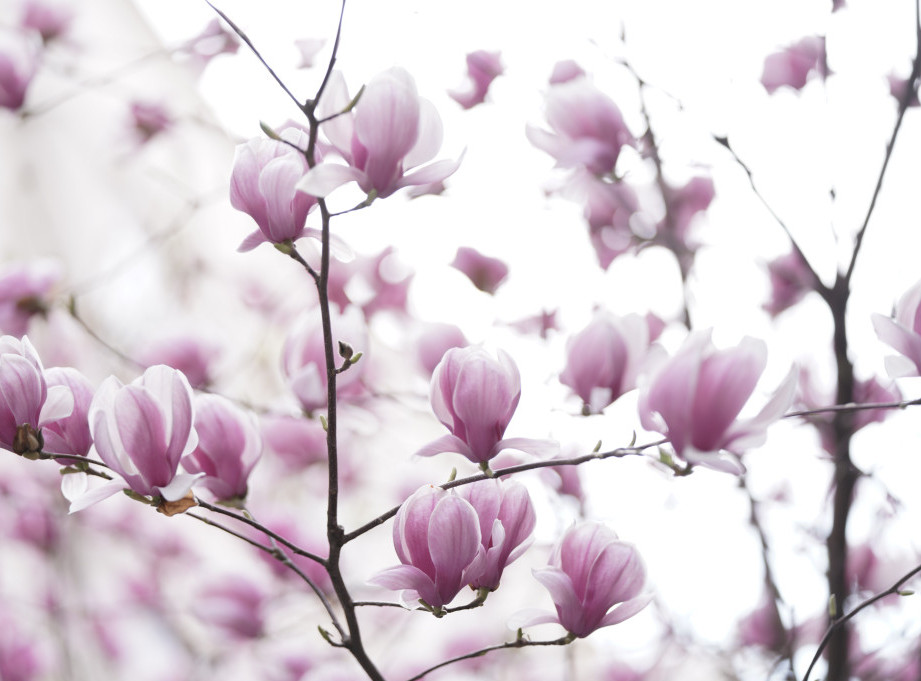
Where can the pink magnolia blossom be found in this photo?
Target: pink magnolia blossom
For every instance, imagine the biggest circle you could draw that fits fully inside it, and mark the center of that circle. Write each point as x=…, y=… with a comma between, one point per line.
x=903, y=334
x=482, y=69
x=762, y=627
x=50, y=18
x=435, y=340
x=304, y=358
x=229, y=446
x=696, y=396
x=682, y=206
x=436, y=535
x=234, y=605
x=385, y=140
x=506, y=522
x=475, y=397
x=149, y=119
x=486, y=273
x=296, y=441
x=20, y=54
x=594, y=579
x=24, y=291
x=565, y=70
x=27, y=404
x=588, y=129
x=213, y=40
x=791, y=280
x=194, y=357
x=374, y=283
x=610, y=211
x=263, y=185
x=792, y=65
x=143, y=429
x=605, y=358
x=71, y=434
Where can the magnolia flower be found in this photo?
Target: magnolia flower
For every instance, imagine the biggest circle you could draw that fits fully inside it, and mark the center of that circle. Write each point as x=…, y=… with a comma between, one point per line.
x=49, y=18
x=605, y=359
x=482, y=69
x=696, y=396
x=229, y=446
x=390, y=132
x=194, y=357
x=304, y=357
x=149, y=119
x=506, y=522
x=24, y=293
x=903, y=334
x=234, y=605
x=71, y=434
x=594, y=579
x=26, y=402
x=682, y=205
x=791, y=280
x=263, y=185
x=143, y=429
x=436, y=535
x=486, y=273
x=588, y=129
x=475, y=397
x=20, y=54
x=792, y=65
x=434, y=341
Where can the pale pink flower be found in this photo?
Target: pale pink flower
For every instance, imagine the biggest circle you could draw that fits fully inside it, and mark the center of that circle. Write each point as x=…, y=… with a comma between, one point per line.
x=435, y=340
x=903, y=334
x=263, y=185
x=792, y=65
x=604, y=360
x=475, y=397
x=50, y=18
x=436, y=535
x=71, y=434
x=482, y=69
x=20, y=54
x=149, y=119
x=374, y=283
x=565, y=70
x=791, y=280
x=229, y=446
x=507, y=520
x=234, y=605
x=296, y=441
x=682, y=206
x=695, y=398
x=27, y=404
x=610, y=211
x=594, y=579
x=762, y=627
x=194, y=357
x=304, y=358
x=24, y=291
x=486, y=273
x=213, y=40
x=143, y=429
x=385, y=140
x=587, y=128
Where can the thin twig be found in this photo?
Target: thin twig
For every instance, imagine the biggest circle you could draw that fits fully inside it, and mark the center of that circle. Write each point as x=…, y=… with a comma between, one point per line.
x=892, y=590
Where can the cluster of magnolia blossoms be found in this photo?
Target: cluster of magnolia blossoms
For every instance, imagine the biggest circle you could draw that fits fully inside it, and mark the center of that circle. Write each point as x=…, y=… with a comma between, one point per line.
x=155, y=437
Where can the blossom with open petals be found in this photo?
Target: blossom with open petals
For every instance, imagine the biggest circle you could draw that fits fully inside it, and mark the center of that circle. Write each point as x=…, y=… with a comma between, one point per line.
x=143, y=429
x=26, y=401
x=482, y=69
x=263, y=185
x=475, y=397
x=594, y=579
x=695, y=398
x=792, y=65
x=903, y=334
x=587, y=127
x=385, y=140
x=436, y=535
